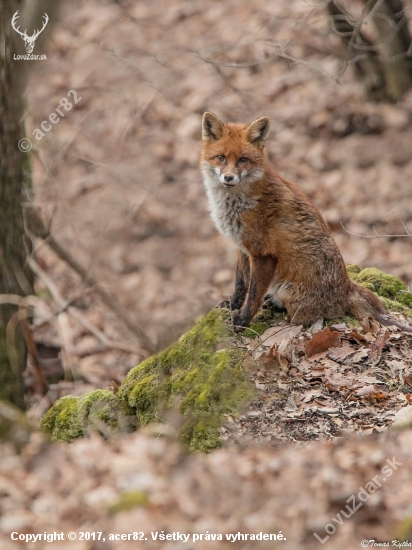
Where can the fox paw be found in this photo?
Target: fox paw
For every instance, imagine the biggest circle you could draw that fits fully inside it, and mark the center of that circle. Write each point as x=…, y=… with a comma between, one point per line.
x=240, y=322
x=225, y=304
x=273, y=305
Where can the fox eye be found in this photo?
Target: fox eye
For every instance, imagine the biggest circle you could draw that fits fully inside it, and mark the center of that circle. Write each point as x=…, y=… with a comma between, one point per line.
x=242, y=160
x=220, y=158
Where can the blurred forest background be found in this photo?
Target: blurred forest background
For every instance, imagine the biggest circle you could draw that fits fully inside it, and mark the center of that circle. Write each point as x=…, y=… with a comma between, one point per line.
x=117, y=179
x=125, y=256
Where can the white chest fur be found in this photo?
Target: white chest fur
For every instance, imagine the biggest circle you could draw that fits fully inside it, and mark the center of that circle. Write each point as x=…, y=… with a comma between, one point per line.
x=226, y=204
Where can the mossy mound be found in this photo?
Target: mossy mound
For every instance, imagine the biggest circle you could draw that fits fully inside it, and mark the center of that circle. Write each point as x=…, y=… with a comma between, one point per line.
x=202, y=374
x=71, y=417
x=392, y=291
x=204, y=380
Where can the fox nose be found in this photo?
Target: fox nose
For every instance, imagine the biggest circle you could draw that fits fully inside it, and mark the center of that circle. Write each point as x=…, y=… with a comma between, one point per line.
x=228, y=178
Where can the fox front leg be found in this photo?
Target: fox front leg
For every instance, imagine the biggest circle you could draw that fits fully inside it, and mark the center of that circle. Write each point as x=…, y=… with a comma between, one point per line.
x=262, y=270
x=241, y=283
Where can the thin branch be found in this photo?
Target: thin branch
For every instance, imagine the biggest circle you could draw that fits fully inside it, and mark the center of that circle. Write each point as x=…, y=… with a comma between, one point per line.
x=32, y=351
x=65, y=306
x=377, y=235
x=36, y=226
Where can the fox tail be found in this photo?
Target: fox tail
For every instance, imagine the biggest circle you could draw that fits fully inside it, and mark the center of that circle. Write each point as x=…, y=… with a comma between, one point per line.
x=364, y=303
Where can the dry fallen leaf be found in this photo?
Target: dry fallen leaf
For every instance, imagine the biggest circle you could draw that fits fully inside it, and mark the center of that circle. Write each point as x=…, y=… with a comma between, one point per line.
x=329, y=364
x=276, y=335
x=339, y=354
x=341, y=327
x=311, y=394
x=357, y=336
x=322, y=341
x=318, y=357
x=377, y=346
x=362, y=353
x=364, y=390
x=265, y=357
x=378, y=395
x=369, y=325
x=335, y=380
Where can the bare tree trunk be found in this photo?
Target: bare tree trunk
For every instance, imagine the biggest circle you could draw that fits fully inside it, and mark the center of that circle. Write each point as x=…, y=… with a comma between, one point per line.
x=395, y=45
x=15, y=275
x=385, y=68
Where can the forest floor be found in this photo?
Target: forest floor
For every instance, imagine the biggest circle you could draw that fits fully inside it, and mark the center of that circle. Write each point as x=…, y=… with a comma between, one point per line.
x=117, y=181
x=321, y=383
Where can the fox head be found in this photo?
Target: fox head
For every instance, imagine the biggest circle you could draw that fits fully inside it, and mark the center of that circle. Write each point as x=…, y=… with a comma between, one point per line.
x=233, y=153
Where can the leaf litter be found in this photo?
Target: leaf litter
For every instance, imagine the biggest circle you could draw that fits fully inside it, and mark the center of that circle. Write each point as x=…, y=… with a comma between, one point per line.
x=320, y=383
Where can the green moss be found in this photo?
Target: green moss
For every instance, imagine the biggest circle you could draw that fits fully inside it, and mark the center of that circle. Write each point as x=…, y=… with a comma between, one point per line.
x=348, y=319
x=205, y=380
x=130, y=500
x=100, y=411
x=386, y=286
x=62, y=422
x=71, y=417
x=201, y=435
x=202, y=372
x=403, y=531
x=392, y=305
x=261, y=322
x=391, y=290
x=353, y=270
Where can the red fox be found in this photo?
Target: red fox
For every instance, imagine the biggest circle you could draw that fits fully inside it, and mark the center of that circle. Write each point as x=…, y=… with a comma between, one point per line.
x=284, y=245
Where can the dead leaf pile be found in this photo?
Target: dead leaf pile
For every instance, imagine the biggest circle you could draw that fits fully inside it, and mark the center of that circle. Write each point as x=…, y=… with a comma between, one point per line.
x=322, y=383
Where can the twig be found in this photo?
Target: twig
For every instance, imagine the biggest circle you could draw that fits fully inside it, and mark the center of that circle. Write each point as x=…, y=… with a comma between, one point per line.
x=36, y=226
x=64, y=306
x=24, y=303
x=32, y=351
x=376, y=235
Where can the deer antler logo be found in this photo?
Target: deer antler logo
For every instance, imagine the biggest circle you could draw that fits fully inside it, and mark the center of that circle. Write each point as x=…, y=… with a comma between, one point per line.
x=29, y=40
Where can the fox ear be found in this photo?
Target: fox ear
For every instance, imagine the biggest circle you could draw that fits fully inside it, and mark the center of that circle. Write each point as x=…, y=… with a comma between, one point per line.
x=258, y=131
x=212, y=128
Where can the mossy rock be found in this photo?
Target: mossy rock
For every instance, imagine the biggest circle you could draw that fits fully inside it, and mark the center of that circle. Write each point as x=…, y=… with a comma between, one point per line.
x=392, y=291
x=99, y=411
x=202, y=373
